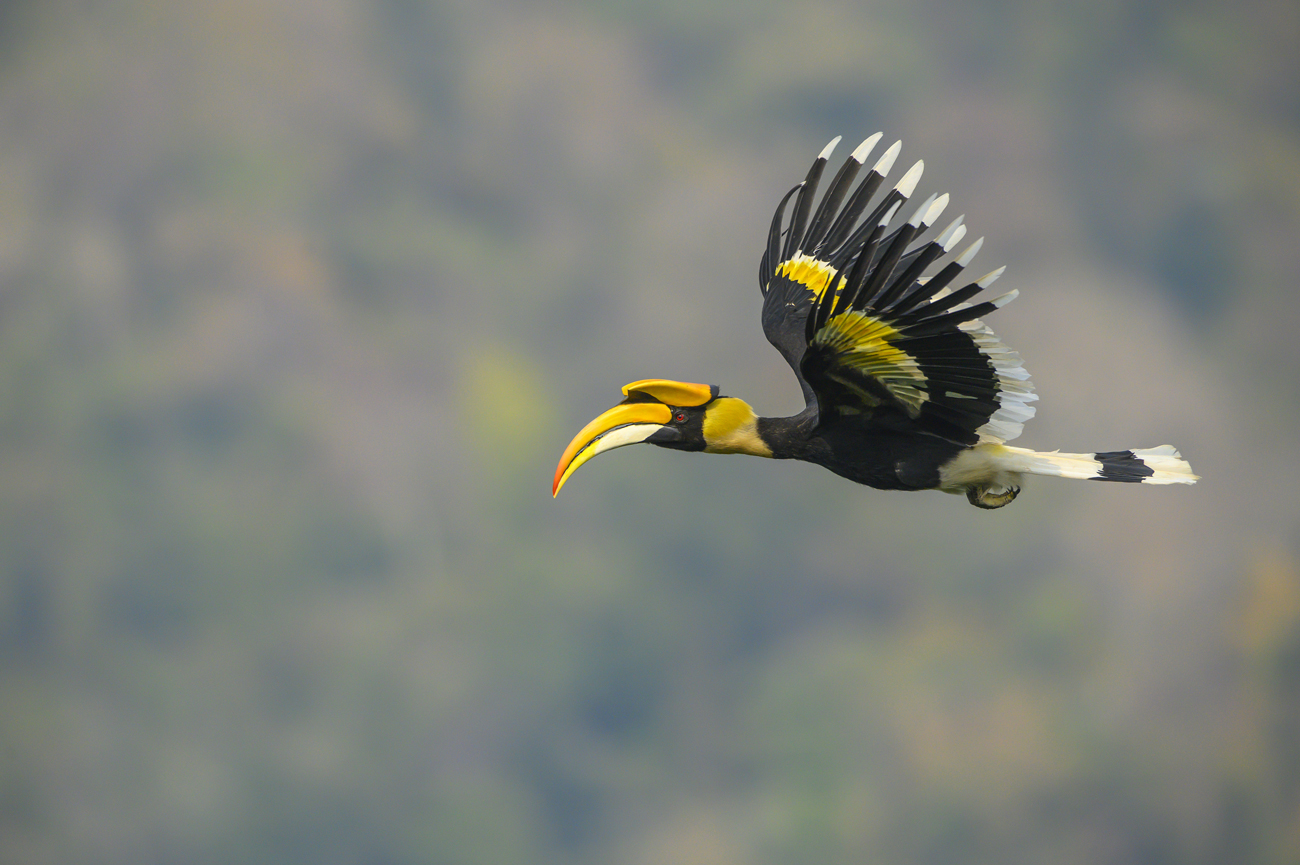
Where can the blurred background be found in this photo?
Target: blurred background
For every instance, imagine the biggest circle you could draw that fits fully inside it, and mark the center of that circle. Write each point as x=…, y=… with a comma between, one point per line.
x=300, y=300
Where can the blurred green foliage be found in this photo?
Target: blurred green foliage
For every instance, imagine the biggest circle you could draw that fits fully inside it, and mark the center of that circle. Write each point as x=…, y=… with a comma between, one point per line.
x=299, y=303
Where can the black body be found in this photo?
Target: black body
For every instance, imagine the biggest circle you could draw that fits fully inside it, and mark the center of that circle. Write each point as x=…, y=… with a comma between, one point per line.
x=860, y=451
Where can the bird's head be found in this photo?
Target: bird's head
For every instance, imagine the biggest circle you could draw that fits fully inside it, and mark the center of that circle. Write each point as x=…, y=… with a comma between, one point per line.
x=671, y=414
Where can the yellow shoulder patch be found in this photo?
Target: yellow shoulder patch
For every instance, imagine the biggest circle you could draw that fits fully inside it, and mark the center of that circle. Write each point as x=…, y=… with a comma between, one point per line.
x=813, y=274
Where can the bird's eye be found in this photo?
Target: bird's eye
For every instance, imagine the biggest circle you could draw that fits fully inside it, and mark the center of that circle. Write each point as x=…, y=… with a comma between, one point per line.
x=680, y=417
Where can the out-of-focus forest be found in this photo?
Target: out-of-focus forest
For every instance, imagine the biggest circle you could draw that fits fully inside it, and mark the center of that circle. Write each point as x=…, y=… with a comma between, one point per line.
x=300, y=300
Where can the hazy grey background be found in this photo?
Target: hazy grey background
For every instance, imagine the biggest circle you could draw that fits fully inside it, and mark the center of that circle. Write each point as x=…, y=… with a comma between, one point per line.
x=300, y=300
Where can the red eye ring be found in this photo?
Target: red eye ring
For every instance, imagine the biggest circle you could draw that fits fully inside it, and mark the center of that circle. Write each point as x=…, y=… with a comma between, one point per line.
x=680, y=417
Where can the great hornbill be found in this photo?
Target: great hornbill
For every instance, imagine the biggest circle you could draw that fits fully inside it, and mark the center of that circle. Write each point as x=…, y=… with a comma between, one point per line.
x=905, y=388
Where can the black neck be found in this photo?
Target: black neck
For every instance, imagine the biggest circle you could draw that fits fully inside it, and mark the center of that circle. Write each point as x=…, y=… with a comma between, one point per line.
x=788, y=437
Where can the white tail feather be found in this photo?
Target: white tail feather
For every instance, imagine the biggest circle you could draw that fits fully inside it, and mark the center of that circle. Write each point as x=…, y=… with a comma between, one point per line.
x=1168, y=465
x=1000, y=466
x=1054, y=463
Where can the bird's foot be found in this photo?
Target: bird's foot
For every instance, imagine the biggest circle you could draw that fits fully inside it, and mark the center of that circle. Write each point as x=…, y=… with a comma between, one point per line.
x=990, y=498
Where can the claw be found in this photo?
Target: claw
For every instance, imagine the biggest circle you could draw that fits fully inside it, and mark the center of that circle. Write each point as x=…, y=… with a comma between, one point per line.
x=984, y=497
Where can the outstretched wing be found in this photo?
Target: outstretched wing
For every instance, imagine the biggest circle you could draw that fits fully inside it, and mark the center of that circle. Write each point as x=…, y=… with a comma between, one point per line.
x=800, y=262
x=900, y=349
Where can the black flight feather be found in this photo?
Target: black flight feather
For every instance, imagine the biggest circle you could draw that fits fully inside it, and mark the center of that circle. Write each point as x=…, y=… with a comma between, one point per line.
x=830, y=204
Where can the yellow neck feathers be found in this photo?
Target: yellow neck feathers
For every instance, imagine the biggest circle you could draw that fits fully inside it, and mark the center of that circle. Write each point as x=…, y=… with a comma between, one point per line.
x=731, y=427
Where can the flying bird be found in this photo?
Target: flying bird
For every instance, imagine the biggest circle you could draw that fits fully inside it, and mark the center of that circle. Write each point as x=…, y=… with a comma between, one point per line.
x=905, y=388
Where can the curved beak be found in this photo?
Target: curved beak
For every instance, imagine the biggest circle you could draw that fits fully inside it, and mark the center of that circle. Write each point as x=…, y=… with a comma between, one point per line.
x=625, y=424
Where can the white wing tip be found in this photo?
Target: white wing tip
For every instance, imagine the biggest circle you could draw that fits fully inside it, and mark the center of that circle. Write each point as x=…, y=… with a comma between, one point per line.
x=887, y=158
x=1003, y=300
x=945, y=239
x=909, y=180
x=864, y=149
x=935, y=210
x=956, y=238
x=990, y=278
x=829, y=148
x=919, y=216
x=888, y=217
x=965, y=258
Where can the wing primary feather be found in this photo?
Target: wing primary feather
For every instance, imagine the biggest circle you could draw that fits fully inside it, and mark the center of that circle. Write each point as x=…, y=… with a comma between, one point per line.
x=969, y=253
x=952, y=319
x=955, y=231
x=907, y=183
x=897, y=194
x=803, y=203
x=948, y=301
x=1003, y=299
x=955, y=239
x=948, y=239
x=886, y=160
x=888, y=205
x=848, y=218
x=935, y=210
x=918, y=217
x=928, y=289
x=861, y=272
x=863, y=150
x=921, y=219
x=929, y=312
x=881, y=272
x=940, y=280
x=943, y=304
x=894, y=298
x=892, y=200
x=830, y=203
x=844, y=225
x=767, y=267
x=989, y=278
x=791, y=240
